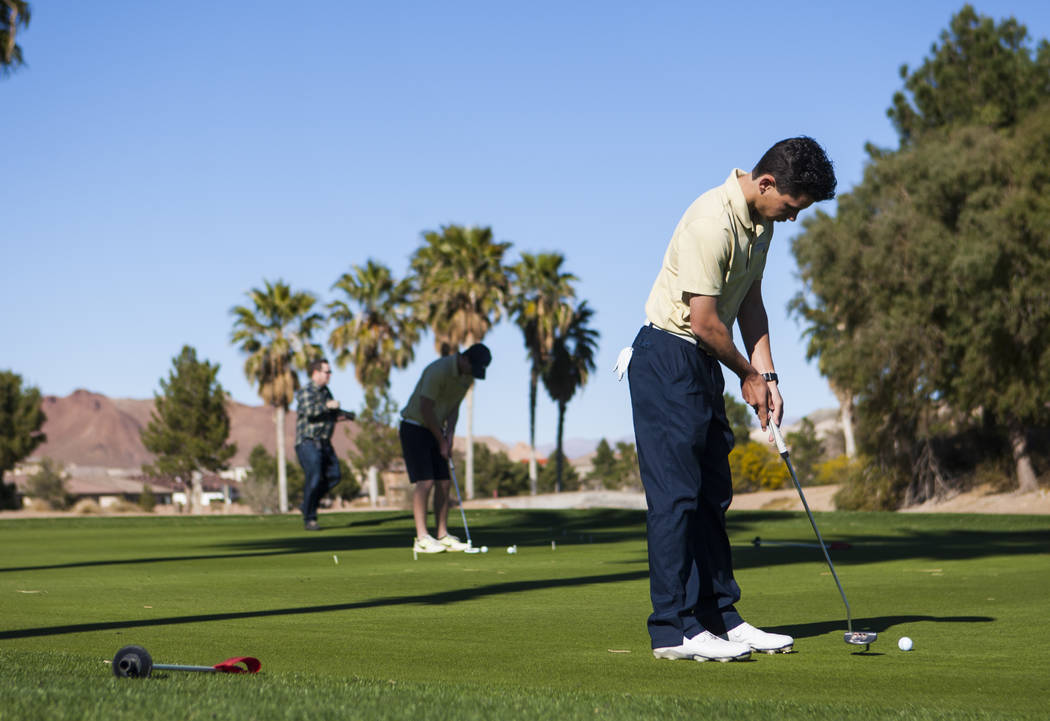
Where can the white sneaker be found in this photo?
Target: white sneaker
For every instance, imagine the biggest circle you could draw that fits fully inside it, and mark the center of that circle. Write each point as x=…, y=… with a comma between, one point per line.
x=759, y=640
x=427, y=544
x=705, y=646
x=451, y=543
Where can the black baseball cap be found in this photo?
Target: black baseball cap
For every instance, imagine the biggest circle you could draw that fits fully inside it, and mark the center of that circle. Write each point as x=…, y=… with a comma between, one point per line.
x=479, y=356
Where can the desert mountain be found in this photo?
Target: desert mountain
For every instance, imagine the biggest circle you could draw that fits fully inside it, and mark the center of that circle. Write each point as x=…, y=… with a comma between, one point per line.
x=90, y=429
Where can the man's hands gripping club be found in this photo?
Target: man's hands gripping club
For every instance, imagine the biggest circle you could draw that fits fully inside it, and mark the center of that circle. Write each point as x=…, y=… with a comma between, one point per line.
x=764, y=397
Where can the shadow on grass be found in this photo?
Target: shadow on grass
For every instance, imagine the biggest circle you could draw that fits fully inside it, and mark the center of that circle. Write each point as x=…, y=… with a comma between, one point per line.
x=429, y=599
x=368, y=522
x=615, y=526
x=495, y=528
x=932, y=546
x=879, y=624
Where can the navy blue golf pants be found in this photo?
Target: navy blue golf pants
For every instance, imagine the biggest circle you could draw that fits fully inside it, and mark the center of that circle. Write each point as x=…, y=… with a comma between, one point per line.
x=683, y=441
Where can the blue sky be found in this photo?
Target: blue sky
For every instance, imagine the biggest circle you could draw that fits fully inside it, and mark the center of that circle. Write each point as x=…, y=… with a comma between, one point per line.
x=160, y=163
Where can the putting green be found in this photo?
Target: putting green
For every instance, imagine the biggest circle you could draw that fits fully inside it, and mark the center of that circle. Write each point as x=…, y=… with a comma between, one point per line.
x=345, y=618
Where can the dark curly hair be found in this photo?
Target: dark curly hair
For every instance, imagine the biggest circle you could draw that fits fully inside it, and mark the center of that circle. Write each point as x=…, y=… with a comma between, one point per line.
x=799, y=166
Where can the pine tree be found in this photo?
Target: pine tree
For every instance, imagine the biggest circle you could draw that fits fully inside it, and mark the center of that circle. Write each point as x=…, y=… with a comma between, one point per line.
x=21, y=419
x=189, y=426
x=627, y=466
x=604, y=467
x=558, y=475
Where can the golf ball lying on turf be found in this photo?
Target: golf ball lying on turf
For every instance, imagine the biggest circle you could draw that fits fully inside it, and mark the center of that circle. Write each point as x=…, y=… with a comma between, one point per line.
x=904, y=644
x=512, y=549
x=484, y=549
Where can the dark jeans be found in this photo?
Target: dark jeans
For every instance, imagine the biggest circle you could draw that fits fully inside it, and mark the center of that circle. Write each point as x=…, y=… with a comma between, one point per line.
x=683, y=441
x=321, y=468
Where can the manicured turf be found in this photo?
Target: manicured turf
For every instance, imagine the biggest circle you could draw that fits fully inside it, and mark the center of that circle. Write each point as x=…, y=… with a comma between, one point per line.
x=545, y=633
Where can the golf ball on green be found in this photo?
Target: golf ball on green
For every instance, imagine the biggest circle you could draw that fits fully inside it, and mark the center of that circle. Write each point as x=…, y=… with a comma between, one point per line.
x=904, y=644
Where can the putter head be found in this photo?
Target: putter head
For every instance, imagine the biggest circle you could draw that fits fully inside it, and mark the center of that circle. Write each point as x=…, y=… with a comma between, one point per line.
x=860, y=638
x=471, y=549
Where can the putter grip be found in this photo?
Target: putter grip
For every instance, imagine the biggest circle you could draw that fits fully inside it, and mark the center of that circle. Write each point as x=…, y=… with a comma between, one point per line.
x=781, y=446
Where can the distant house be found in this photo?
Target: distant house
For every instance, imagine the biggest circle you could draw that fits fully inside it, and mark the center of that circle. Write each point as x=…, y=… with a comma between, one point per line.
x=104, y=486
x=108, y=491
x=214, y=489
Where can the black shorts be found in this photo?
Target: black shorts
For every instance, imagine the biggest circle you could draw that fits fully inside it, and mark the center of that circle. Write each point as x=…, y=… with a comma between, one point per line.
x=423, y=459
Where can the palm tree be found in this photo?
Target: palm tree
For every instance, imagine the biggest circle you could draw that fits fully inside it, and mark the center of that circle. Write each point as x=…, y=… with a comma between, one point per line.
x=461, y=285
x=277, y=335
x=381, y=336
x=539, y=288
x=12, y=14
x=572, y=360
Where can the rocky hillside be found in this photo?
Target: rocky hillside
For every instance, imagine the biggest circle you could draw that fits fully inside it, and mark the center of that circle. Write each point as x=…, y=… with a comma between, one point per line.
x=90, y=429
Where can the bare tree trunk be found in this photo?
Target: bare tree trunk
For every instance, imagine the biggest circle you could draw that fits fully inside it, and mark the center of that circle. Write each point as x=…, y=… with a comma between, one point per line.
x=561, y=453
x=928, y=478
x=533, y=472
x=470, y=443
x=196, y=499
x=1026, y=480
x=282, y=472
x=845, y=399
x=373, y=485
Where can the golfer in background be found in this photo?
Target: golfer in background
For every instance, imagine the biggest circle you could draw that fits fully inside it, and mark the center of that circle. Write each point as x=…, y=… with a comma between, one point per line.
x=711, y=277
x=428, y=425
x=316, y=415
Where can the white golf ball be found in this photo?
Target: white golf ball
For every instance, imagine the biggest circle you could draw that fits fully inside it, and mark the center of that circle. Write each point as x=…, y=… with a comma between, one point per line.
x=904, y=644
x=484, y=549
x=512, y=549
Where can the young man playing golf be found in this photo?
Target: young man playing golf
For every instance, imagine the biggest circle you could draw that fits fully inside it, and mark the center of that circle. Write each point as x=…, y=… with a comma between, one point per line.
x=711, y=277
x=428, y=425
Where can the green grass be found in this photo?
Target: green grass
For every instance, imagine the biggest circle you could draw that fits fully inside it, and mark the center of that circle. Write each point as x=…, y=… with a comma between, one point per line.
x=545, y=633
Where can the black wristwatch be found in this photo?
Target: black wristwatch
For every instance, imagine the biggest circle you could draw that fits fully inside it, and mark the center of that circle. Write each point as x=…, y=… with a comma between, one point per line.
x=771, y=378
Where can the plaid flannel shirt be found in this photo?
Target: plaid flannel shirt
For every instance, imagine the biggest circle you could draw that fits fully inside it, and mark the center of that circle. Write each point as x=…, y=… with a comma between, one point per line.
x=313, y=420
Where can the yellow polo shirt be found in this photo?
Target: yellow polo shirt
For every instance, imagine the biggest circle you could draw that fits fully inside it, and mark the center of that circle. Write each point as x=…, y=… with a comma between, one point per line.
x=716, y=249
x=442, y=383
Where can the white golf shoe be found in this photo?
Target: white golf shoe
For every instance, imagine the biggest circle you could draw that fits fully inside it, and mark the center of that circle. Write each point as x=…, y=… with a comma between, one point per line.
x=451, y=543
x=759, y=640
x=705, y=646
x=428, y=544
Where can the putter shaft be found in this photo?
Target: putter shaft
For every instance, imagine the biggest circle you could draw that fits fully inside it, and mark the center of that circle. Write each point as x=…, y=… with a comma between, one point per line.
x=783, y=449
x=459, y=496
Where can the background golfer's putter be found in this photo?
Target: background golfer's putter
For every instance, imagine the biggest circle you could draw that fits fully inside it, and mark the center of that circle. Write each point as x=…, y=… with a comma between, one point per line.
x=463, y=515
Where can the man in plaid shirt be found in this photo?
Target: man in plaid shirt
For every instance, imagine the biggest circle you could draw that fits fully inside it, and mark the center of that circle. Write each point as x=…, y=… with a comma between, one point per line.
x=317, y=413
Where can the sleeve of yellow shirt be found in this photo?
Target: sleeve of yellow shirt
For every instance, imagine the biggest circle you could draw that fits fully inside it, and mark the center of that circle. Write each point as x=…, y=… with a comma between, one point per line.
x=704, y=253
